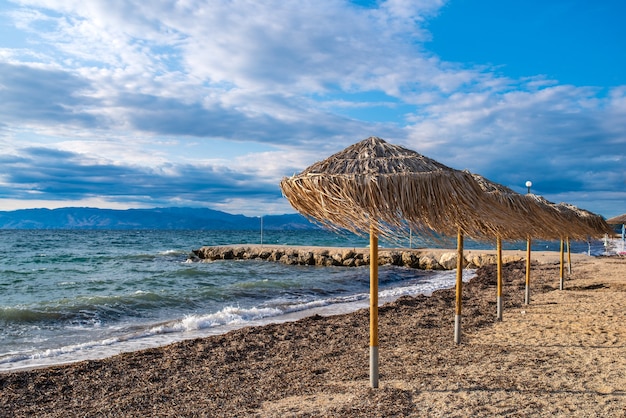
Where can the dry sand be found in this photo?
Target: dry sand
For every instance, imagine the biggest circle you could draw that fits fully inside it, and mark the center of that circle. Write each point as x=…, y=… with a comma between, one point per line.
x=562, y=355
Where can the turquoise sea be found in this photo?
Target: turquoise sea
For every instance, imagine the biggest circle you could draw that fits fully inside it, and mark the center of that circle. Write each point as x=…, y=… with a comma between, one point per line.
x=68, y=295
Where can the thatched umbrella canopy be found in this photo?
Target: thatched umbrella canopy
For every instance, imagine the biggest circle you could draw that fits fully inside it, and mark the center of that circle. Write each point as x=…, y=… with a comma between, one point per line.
x=554, y=224
x=529, y=218
x=392, y=187
x=571, y=222
x=525, y=216
x=558, y=223
x=506, y=197
x=542, y=219
x=590, y=223
x=562, y=224
x=619, y=220
x=380, y=188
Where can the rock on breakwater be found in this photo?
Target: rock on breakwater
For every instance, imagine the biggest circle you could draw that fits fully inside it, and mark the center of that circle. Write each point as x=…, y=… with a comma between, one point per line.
x=426, y=259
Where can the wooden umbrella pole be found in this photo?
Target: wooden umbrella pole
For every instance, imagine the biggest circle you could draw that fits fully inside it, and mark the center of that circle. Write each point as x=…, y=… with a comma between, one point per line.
x=561, y=270
x=527, y=295
x=569, y=258
x=373, y=307
x=459, y=287
x=499, y=286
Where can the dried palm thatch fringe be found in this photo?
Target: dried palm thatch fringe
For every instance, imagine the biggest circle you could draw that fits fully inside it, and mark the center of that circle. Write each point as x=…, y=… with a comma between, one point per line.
x=617, y=220
x=545, y=219
x=588, y=223
x=572, y=222
x=396, y=189
x=557, y=224
x=393, y=188
x=534, y=216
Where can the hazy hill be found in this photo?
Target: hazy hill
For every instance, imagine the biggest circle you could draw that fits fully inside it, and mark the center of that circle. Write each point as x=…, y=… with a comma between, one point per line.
x=158, y=218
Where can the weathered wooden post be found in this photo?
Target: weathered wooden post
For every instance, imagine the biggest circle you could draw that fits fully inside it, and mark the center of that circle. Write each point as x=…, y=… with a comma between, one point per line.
x=561, y=270
x=499, y=284
x=527, y=294
x=459, y=287
x=373, y=307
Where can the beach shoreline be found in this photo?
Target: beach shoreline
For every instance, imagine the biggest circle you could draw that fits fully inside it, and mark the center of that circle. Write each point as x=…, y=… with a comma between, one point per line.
x=560, y=355
x=146, y=338
x=429, y=259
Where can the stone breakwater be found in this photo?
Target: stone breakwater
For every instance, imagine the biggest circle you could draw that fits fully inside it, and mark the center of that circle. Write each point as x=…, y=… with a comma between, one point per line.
x=426, y=259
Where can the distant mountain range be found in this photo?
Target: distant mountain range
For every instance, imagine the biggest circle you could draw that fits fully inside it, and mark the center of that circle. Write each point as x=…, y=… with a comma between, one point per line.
x=158, y=218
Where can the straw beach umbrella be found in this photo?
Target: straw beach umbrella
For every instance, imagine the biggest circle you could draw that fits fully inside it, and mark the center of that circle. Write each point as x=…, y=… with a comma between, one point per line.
x=538, y=218
x=568, y=222
x=590, y=224
x=382, y=189
x=585, y=224
x=534, y=217
x=619, y=220
x=527, y=219
x=395, y=188
x=558, y=225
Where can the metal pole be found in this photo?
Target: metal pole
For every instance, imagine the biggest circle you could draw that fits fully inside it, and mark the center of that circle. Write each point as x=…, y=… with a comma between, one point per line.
x=499, y=285
x=527, y=295
x=373, y=307
x=459, y=288
x=561, y=272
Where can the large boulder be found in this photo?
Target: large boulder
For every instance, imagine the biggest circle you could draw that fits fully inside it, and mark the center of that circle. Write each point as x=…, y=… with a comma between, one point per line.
x=337, y=259
x=429, y=262
x=409, y=259
x=288, y=259
x=480, y=260
x=347, y=254
x=349, y=262
x=512, y=258
x=306, y=258
x=449, y=260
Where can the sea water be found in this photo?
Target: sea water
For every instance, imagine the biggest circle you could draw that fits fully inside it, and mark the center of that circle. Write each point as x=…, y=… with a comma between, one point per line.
x=68, y=295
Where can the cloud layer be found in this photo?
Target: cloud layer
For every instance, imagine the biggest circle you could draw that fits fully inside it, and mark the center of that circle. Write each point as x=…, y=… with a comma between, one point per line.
x=197, y=102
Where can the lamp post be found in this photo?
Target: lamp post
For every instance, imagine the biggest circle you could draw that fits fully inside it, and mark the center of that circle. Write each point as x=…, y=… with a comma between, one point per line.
x=528, y=243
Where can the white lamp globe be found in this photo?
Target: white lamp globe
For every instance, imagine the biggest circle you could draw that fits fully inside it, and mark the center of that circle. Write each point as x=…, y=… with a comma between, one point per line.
x=528, y=184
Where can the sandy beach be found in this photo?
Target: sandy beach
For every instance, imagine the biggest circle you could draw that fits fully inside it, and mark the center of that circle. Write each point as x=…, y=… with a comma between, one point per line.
x=562, y=355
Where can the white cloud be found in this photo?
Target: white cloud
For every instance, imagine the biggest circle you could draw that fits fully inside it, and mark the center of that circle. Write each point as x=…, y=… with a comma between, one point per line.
x=156, y=85
x=91, y=202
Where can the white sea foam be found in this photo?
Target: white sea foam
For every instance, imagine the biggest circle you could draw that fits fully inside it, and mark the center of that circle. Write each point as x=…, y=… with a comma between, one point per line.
x=49, y=356
x=171, y=252
x=614, y=246
x=228, y=318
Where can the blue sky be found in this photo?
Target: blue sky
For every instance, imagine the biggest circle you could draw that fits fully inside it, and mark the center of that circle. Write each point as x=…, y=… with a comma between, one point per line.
x=129, y=104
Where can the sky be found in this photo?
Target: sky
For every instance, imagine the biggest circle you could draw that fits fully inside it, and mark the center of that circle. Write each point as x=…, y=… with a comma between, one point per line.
x=209, y=103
